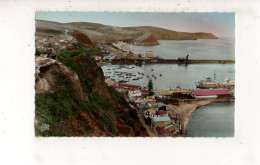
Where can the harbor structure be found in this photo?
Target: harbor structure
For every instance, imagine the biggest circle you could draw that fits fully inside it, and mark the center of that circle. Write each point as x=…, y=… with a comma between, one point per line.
x=210, y=93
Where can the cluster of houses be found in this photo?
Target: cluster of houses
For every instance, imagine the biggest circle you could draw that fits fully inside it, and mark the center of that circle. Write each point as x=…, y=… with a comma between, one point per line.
x=155, y=114
x=120, y=50
x=154, y=110
x=53, y=44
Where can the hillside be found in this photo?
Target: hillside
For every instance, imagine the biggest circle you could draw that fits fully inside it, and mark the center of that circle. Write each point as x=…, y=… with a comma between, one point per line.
x=72, y=99
x=134, y=32
x=165, y=34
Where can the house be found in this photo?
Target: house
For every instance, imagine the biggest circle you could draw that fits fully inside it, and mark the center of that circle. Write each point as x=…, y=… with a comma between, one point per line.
x=144, y=92
x=149, y=54
x=163, y=132
x=129, y=86
x=162, y=113
x=171, y=127
x=210, y=93
x=133, y=95
x=161, y=121
x=151, y=101
x=97, y=58
x=161, y=106
x=149, y=113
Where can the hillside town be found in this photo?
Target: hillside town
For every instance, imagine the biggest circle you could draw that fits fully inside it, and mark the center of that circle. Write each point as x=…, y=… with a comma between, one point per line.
x=159, y=110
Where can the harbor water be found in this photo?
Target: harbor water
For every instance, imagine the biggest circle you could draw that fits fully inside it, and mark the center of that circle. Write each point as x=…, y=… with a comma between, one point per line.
x=214, y=120
x=220, y=49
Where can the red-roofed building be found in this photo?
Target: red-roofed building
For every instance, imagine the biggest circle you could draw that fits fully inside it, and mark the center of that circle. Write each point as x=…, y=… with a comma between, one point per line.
x=129, y=86
x=161, y=112
x=210, y=93
x=144, y=92
x=162, y=132
x=114, y=87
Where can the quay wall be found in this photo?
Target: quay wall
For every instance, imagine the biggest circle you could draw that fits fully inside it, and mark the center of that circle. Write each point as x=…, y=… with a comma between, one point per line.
x=167, y=61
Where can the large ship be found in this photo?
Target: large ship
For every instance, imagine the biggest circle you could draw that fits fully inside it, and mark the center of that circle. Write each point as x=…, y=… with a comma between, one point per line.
x=209, y=83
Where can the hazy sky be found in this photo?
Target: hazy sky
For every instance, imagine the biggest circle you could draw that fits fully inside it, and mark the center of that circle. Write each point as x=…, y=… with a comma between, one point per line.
x=219, y=24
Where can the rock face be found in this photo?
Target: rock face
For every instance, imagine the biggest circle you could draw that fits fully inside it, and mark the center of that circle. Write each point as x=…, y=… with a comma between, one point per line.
x=52, y=76
x=83, y=39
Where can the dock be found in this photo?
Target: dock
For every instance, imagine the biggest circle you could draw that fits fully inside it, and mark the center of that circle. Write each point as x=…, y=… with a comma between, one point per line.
x=169, y=61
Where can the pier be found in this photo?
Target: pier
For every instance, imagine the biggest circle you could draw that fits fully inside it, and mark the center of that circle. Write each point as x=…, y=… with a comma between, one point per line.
x=169, y=61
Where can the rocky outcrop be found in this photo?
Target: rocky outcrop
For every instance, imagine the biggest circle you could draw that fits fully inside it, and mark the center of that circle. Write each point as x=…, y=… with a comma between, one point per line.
x=52, y=76
x=83, y=39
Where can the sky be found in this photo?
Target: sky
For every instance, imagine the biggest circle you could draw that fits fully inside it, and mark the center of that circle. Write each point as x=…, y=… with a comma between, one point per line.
x=219, y=24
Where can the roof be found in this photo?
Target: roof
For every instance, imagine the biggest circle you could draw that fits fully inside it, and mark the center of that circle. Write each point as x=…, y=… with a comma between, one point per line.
x=150, y=110
x=173, y=117
x=161, y=112
x=114, y=87
x=162, y=131
x=168, y=126
x=157, y=94
x=211, y=92
x=129, y=85
x=143, y=90
x=158, y=119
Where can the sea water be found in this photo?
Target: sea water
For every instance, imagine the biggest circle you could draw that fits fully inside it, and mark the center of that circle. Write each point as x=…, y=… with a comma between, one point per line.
x=214, y=120
x=202, y=49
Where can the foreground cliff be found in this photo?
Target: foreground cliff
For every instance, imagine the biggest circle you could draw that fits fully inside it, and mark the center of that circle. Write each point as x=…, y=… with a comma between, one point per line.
x=72, y=99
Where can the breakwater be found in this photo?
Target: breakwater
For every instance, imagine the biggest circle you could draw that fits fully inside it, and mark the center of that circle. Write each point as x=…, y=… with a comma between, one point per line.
x=169, y=61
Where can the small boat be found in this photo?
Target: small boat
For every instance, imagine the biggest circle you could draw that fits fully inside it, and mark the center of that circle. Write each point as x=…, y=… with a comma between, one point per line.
x=136, y=79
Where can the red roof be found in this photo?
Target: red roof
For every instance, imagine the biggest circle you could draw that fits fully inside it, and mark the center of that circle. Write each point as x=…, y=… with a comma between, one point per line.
x=129, y=85
x=161, y=112
x=211, y=92
x=162, y=131
x=114, y=87
x=143, y=90
x=175, y=117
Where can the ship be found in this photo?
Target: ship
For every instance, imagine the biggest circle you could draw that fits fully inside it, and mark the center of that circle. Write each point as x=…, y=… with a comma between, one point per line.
x=209, y=83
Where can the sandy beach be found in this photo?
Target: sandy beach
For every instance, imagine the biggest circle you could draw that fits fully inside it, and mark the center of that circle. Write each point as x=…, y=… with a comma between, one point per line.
x=185, y=110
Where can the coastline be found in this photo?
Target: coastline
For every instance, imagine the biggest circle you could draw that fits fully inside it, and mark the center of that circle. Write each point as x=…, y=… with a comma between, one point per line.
x=185, y=110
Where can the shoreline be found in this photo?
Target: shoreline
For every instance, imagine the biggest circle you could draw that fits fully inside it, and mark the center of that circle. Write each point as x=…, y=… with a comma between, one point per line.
x=185, y=110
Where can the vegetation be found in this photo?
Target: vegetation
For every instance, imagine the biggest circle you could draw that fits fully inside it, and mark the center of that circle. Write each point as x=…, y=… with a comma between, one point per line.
x=60, y=105
x=38, y=53
x=150, y=87
x=66, y=58
x=117, y=97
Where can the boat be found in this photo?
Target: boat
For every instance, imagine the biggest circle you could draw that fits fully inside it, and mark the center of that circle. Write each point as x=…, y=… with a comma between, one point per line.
x=209, y=83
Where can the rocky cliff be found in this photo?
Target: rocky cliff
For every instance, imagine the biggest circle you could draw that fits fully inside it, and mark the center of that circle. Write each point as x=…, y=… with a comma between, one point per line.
x=72, y=99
